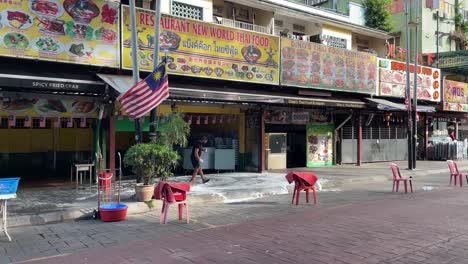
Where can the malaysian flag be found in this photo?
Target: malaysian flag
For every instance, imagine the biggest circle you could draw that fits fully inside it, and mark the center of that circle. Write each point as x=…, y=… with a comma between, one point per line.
x=146, y=94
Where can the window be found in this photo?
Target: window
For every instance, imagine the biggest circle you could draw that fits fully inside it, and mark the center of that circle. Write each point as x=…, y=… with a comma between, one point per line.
x=139, y=3
x=446, y=9
x=187, y=11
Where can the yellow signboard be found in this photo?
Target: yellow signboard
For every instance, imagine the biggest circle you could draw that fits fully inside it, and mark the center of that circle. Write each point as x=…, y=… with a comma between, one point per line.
x=77, y=31
x=203, y=49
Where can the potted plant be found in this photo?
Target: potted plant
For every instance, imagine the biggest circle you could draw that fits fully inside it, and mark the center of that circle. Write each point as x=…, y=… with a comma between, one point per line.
x=150, y=160
x=174, y=132
x=157, y=158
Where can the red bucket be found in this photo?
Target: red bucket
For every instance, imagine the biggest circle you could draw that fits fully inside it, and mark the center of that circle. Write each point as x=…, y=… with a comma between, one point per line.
x=105, y=180
x=113, y=212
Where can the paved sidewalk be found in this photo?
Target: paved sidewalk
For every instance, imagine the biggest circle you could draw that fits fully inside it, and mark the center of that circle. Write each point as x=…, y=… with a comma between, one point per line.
x=35, y=206
x=363, y=225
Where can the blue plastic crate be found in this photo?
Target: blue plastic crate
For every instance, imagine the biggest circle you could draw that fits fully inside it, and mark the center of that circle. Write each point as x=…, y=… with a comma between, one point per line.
x=8, y=185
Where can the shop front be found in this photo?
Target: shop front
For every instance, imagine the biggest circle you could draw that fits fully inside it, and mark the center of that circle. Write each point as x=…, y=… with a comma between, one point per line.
x=223, y=126
x=383, y=128
x=298, y=138
x=45, y=125
x=446, y=139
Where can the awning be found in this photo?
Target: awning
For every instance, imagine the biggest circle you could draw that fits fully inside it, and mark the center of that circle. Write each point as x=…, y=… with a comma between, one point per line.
x=386, y=105
x=60, y=84
x=454, y=61
x=191, y=94
x=121, y=83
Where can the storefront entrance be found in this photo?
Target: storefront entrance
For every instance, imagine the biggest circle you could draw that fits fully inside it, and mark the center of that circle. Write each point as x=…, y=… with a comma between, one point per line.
x=295, y=145
x=40, y=151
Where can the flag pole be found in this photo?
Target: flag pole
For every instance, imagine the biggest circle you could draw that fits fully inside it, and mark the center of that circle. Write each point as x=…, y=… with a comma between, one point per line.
x=135, y=75
x=157, y=18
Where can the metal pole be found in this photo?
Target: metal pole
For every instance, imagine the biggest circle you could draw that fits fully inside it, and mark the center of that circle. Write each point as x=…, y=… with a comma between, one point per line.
x=135, y=72
x=157, y=18
x=408, y=92
x=415, y=91
x=437, y=41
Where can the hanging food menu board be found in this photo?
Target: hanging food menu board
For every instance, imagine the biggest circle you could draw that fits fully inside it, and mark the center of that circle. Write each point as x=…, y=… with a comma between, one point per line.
x=392, y=80
x=201, y=49
x=312, y=65
x=77, y=31
x=319, y=145
x=455, y=96
x=47, y=107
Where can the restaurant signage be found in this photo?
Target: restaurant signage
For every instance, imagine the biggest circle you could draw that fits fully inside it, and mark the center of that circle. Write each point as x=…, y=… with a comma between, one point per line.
x=201, y=49
x=311, y=65
x=300, y=118
x=36, y=107
x=38, y=83
x=455, y=96
x=392, y=80
x=327, y=103
x=76, y=31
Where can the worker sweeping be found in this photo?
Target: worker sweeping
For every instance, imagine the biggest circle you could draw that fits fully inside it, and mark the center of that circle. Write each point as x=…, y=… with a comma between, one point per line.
x=197, y=160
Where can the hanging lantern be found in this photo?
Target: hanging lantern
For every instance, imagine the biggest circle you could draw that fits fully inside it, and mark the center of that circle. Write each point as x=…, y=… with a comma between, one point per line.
x=189, y=119
x=417, y=117
x=83, y=122
x=42, y=122
x=387, y=117
x=206, y=120
x=56, y=122
x=69, y=122
x=12, y=121
x=27, y=121
x=221, y=119
x=214, y=120
x=198, y=120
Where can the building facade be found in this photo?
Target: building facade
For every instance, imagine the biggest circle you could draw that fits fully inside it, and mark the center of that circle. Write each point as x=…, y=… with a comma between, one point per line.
x=272, y=84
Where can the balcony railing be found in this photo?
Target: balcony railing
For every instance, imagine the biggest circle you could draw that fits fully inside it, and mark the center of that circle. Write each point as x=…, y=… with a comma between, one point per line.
x=308, y=2
x=242, y=25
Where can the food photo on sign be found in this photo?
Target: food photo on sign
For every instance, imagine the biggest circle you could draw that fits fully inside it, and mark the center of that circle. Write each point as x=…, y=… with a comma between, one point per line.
x=392, y=80
x=312, y=65
x=202, y=49
x=454, y=96
x=77, y=31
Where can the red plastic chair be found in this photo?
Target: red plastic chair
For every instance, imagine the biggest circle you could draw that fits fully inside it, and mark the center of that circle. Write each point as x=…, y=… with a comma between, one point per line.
x=173, y=194
x=397, y=178
x=301, y=184
x=455, y=173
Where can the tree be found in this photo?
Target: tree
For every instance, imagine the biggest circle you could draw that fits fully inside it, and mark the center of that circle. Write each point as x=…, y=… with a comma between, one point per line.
x=378, y=15
x=461, y=28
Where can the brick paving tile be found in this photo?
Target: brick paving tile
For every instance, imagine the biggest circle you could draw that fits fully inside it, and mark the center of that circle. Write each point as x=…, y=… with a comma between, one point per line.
x=383, y=228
